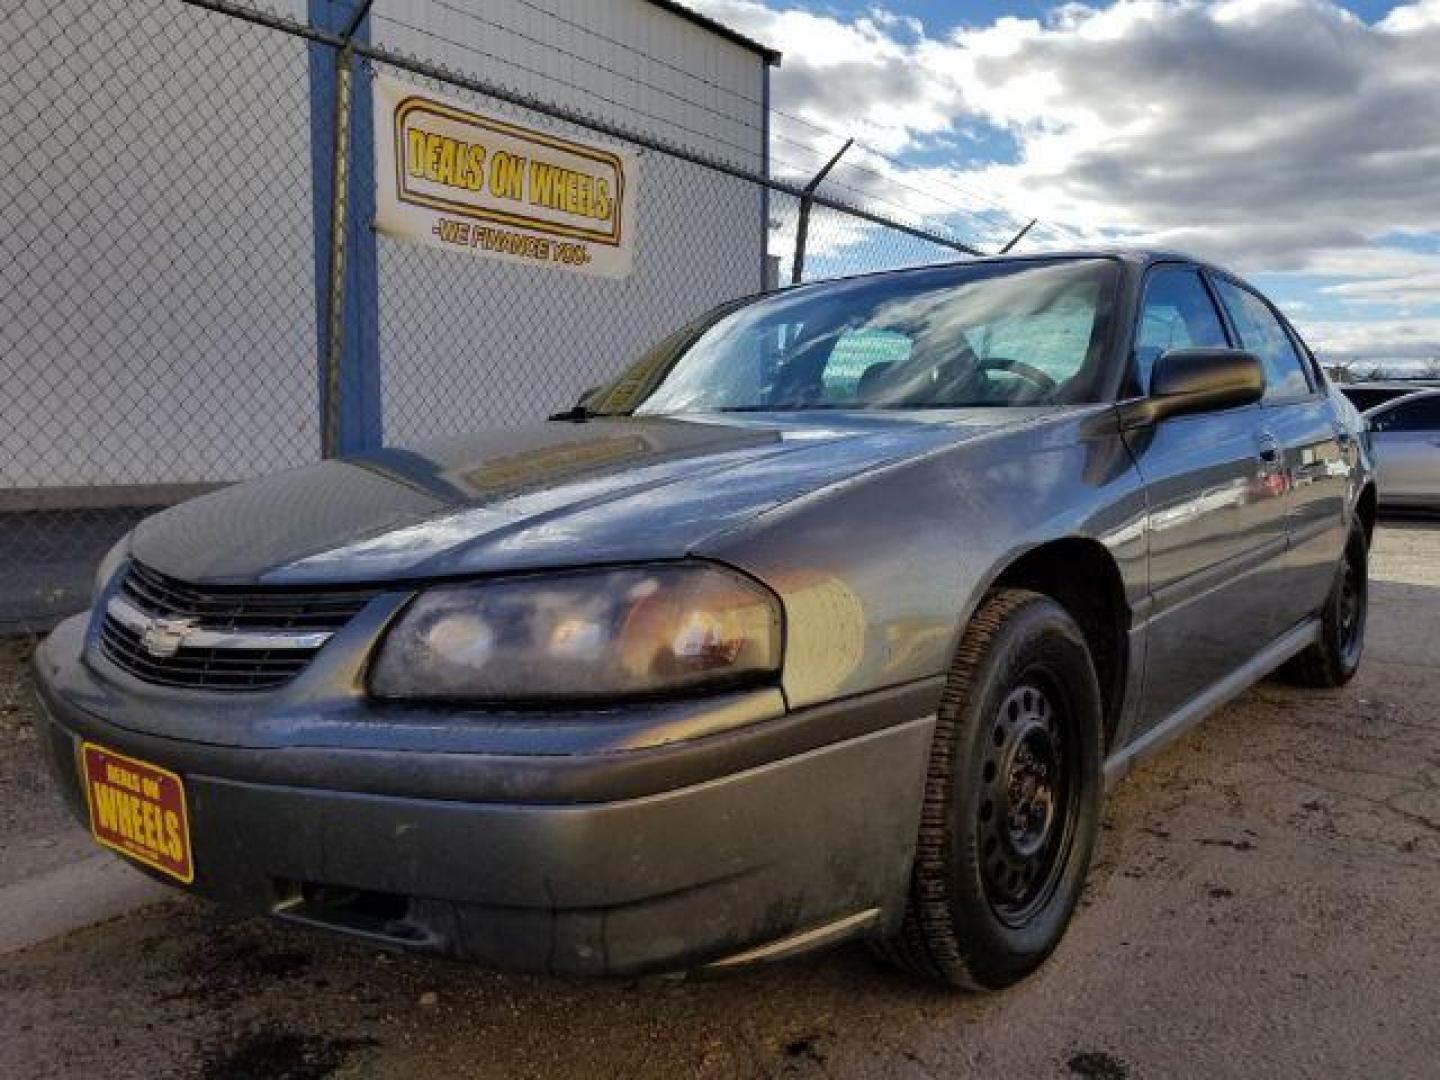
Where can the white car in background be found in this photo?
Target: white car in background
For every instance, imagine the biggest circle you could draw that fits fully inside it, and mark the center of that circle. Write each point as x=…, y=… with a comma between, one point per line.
x=1405, y=441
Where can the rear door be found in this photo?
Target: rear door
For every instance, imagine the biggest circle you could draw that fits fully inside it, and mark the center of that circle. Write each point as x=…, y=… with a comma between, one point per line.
x=1216, y=515
x=1316, y=471
x=1406, y=440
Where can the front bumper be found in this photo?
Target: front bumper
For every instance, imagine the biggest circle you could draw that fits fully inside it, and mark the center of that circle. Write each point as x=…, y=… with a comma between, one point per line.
x=604, y=862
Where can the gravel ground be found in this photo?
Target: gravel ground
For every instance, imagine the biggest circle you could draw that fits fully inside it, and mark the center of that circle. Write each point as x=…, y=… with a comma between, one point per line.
x=1263, y=904
x=36, y=833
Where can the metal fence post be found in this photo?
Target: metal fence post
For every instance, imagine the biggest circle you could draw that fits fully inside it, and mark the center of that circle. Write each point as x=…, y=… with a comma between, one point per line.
x=769, y=278
x=1018, y=237
x=335, y=293
x=343, y=423
x=802, y=225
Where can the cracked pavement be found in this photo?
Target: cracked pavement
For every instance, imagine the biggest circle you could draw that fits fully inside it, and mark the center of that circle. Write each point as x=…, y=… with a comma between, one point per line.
x=1262, y=904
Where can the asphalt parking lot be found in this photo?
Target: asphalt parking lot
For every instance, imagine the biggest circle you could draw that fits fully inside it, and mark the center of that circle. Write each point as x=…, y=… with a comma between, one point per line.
x=1263, y=905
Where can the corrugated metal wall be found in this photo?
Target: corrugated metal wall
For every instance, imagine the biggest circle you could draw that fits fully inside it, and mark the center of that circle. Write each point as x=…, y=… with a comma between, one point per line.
x=157, y=237
x=467, y=342
x=626, y=61
x=157, y=305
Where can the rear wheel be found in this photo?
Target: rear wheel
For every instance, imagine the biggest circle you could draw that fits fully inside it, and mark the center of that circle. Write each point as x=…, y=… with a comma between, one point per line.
x=1012, y=799
x=1335, y=656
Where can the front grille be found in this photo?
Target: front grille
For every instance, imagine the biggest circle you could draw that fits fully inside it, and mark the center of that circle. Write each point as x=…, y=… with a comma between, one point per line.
x=212, y=669
x=233, y=638
x=240, y=608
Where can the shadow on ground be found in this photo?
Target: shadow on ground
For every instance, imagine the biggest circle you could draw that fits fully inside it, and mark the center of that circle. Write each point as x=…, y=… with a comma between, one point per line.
x=1262, y=904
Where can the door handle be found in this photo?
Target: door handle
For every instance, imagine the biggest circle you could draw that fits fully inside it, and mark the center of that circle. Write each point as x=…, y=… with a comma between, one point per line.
x=1269, y=448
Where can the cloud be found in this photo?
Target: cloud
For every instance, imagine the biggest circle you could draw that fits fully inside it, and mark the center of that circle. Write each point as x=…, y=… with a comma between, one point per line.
x=1340, y=338
x=1274, y=132
x=1285, y=136
x=1417, y=288
x=858, y=77
x=1421, y=16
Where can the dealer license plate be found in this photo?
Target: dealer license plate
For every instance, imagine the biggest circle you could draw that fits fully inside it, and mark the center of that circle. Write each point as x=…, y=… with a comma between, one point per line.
x=138, y=809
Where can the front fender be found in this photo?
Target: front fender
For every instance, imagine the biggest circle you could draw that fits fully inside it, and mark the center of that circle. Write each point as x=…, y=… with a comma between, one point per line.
x=880, y=574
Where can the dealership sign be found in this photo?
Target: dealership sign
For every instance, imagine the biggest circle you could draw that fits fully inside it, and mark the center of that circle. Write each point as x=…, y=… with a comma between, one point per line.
x=454, y=178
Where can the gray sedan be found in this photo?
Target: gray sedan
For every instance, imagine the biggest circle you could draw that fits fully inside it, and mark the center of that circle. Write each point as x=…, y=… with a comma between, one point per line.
x=1405, y=439
x=834, y=615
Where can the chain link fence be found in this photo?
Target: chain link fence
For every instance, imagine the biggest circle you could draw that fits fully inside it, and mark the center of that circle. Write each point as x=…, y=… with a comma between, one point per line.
x=449, y=363
x=188, y=299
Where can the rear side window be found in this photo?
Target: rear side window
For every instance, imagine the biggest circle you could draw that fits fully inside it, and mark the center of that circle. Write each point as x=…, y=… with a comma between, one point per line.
x=1177, y=314
x=1261, y=333
x=1312, y=366
x=1421, y=415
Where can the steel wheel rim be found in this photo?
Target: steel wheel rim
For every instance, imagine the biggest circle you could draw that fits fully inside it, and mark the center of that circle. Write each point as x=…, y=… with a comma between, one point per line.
x=1029, y=799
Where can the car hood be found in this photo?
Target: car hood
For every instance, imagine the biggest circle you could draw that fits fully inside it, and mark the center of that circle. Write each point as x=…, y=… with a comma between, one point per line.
x=555, y=494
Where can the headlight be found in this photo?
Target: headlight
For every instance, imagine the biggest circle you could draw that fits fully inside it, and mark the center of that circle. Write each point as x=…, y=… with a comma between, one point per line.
x=592, y=634
x=109, y=565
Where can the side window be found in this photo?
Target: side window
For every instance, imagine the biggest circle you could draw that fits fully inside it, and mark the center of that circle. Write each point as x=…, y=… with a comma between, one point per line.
x=1261, y=333
x=1177, y=314
x=1422, y=415
x=856, y=353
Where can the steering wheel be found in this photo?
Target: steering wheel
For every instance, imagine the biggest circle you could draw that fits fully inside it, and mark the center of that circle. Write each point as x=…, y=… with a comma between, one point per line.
x=1029, y=372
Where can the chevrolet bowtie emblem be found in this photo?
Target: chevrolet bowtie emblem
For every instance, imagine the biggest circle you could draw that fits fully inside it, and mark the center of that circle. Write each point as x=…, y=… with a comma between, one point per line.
x=163, y=637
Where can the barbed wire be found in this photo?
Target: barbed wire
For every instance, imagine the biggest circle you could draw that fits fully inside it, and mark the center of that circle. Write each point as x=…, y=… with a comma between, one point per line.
x=1042, y=225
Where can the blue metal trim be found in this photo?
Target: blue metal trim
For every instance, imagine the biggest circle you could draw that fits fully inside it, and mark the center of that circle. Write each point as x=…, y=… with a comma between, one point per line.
x=361, y=424
x=416, y=470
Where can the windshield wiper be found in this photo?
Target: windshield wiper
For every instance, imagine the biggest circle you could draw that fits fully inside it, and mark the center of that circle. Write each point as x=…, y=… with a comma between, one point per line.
x=576, y=414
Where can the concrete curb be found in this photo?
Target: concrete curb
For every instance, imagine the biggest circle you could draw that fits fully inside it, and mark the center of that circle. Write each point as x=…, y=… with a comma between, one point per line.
x=71, y=898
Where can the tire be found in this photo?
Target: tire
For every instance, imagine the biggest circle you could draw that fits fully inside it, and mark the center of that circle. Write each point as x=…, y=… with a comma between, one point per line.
x=981, y=913
x=1335, y=656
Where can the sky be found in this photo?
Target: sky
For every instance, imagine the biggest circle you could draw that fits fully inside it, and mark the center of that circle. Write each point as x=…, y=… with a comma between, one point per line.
x=1296, y=142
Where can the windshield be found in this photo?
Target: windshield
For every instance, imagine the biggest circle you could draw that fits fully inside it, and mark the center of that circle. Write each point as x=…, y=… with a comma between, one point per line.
x=988, y=334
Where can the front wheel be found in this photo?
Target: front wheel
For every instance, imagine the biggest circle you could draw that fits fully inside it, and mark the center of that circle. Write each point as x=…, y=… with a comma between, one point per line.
x=1012, y=799
x=1335, y=656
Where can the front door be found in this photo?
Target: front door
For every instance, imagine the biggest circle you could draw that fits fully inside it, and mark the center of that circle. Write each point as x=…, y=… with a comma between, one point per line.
x=1216, y=518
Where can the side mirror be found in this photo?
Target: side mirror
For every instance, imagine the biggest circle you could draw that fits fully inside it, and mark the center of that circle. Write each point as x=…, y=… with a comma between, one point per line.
x=1198, y=380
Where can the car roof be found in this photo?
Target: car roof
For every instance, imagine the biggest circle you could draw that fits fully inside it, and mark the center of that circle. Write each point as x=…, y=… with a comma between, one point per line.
x=1405, y=386
x=1138, y=258
x=1386, y=406
x=1139, y=255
